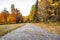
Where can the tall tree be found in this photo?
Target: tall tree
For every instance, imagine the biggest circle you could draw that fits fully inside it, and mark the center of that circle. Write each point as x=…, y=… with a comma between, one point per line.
x=32, y=12
x=35, y=17
x=18, y=16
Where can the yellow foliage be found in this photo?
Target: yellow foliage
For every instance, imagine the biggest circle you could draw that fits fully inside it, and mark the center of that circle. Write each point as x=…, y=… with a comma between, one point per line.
x=50, y=1
x=43, y=3
x=49, y=10
x=52, y=14
x=31, y=15
x=53, y=5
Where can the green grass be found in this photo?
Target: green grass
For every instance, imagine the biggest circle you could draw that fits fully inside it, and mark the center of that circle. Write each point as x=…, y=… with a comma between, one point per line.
x=4, y=29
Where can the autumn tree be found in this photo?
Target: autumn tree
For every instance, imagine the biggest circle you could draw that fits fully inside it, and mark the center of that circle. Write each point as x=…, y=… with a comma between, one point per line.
x=17, y=13
x=32, y=12
x=42, y=4
x=2, y=19
x=12, y=18
x=36, y=17
x=5, y=13
x=25, y=19
x=18, y=16
x=53, y=11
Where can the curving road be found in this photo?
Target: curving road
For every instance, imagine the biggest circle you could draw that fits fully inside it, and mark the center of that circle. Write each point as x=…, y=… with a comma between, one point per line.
x=30, y=32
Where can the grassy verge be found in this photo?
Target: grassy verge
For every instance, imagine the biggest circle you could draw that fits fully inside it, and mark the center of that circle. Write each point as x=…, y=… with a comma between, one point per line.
x=51, y=27
x=4, y=29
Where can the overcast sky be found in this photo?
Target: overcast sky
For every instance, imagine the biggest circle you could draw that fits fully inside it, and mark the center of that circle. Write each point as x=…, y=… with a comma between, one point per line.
x=23, y=5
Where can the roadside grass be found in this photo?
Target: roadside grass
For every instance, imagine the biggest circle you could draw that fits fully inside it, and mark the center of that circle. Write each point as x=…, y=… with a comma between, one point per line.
x=4, y=29
x=51, y=27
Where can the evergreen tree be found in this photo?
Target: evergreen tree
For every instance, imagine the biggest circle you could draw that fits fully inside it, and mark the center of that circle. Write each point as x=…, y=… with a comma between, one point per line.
x=35, y=17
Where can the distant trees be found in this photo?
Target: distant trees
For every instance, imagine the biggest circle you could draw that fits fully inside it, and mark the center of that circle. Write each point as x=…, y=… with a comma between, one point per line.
x=14, y=17
x=42, y=11
x=27, y=19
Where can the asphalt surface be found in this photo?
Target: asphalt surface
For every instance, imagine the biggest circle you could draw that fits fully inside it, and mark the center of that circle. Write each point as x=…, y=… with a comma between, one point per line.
x=30, y=32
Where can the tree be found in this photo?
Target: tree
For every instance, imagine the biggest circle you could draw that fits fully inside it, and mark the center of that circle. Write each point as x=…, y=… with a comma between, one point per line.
x=12, y=18
x=27, y=18
x=41, y=14
x=24, y=19
x=5, y=13
x=32, y=12
x=58, y=11
x=2, y=19
x=53, y=11
x=36, y=17
x=18, y=16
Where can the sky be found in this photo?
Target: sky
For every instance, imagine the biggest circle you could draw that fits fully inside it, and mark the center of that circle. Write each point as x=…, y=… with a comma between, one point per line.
x=23, y=5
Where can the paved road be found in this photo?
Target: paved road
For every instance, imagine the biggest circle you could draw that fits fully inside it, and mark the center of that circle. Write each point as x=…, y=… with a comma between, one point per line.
x=30, y=32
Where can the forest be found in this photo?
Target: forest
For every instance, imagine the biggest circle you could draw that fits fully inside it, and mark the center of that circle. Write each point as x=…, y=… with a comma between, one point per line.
x=42, y=11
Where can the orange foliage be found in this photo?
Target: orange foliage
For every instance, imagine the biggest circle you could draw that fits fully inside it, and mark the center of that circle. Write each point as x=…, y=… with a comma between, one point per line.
x=2, y=13
x=5, y=13
x=2, y=20
x=11, y=18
